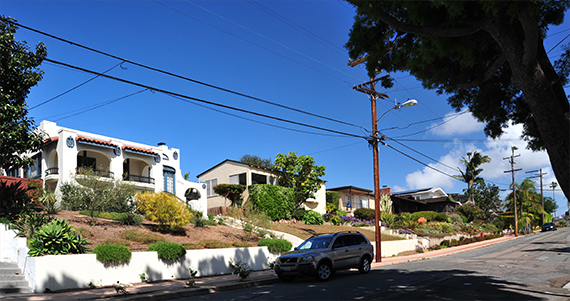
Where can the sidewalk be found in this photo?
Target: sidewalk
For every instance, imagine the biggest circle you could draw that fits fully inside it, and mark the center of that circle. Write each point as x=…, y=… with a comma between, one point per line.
x=177, y=288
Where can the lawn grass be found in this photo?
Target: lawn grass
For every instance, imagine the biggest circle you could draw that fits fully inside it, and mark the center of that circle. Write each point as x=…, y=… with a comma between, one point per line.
x=306, y=231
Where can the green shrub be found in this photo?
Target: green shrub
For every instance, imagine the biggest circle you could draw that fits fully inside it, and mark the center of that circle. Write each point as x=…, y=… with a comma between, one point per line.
x=108, y=253
x=57, y=238
x=453, y=243
x=445, y=243
x=242, y=269
x=441, y=217
x=168, y=250
x=276, y=245
x=276, y=201
x=471, y=211
x=232, y=192
x=428, y=215
x=388, y=218
x=14, y=200
x=335, y=220
x=313, y=218
x=141, y=236
x=298, y=214
x=454, y=217
x=562, y=224
x=464, y=219
x=365, y=214
x=333, y=199
x=30, y=224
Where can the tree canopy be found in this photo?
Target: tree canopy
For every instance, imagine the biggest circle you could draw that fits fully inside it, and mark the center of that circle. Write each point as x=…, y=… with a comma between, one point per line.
x=472, y=170
x=19, y=72
x=488, y=56
x=257, y=161
x=300, y=173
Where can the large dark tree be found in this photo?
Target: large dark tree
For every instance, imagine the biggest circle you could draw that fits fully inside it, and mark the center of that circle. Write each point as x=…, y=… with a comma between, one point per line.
x=19, y=72
x=488, y=55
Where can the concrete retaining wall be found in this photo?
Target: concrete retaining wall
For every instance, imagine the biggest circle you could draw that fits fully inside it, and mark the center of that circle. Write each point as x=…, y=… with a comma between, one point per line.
x=57, y=272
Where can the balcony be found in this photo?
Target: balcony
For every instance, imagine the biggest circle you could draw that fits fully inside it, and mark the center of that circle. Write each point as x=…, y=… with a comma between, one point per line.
x=140, y=179
x=95, y=171
x=52, y=171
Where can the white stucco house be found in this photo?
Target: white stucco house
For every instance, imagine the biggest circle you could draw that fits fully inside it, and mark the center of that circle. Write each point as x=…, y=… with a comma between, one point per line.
x=235, y=172
x=149, y=168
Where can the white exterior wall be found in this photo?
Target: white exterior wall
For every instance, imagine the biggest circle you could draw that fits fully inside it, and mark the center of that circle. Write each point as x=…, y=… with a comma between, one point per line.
x=319, y=202
x=60, y=155
x=222, y=174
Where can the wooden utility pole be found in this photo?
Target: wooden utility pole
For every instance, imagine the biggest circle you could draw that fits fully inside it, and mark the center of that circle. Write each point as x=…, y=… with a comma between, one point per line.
x=369, y=88
x=512, y=171
x=540, y=174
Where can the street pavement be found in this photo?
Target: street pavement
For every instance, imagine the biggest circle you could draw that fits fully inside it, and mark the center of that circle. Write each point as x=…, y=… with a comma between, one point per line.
x=173, y=289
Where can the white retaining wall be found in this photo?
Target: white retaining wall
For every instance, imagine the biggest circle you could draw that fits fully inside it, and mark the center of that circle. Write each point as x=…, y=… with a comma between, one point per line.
x=58, y=272
x=394, y=247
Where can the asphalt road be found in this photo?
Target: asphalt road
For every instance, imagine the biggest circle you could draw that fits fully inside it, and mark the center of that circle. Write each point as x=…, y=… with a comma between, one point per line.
x=534, y=267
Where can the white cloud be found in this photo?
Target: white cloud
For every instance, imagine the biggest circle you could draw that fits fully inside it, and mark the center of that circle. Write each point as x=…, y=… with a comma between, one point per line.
x=454, y=124
x=493, y=171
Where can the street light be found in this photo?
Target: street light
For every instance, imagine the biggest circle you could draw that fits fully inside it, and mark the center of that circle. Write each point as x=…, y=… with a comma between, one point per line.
x=374, y=141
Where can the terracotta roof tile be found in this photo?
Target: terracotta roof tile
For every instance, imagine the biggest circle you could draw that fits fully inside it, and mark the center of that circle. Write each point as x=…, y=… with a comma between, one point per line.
x=139, y=150
x=91, y=140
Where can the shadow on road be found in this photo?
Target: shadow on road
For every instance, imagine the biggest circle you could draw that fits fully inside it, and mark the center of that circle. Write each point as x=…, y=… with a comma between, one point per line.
x=394, y=284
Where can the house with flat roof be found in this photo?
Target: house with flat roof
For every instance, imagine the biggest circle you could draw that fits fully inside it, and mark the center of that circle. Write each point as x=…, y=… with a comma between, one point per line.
x=149, y=168
x=426, y=199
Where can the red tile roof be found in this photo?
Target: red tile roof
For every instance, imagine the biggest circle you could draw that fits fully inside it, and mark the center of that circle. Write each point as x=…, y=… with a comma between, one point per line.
x=139, y=150
x=51, y=139
x=90, y=140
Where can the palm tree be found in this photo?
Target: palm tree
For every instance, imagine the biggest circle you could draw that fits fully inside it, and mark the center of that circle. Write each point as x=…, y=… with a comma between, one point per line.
x=472, y=170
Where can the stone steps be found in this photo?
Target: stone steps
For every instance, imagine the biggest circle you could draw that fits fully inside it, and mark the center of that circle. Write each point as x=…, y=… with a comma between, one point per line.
x=12, y=279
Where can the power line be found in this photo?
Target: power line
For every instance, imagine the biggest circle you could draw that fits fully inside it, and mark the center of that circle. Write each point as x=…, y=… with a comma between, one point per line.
x=252, y=120
x=265, y=37
x=301, y=29
x=83, y=83
x=431, y=127
x=423, y=121
x=182, y=77
x=420, y=153
x=201, y=100
x=252, y=43
x=422, y=163
x=101, y=105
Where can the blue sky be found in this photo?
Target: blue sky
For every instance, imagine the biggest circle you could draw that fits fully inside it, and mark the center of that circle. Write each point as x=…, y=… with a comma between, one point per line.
x=285, y=52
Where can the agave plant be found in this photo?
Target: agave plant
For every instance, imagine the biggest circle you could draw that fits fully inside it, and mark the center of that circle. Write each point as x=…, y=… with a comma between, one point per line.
x=57, y=238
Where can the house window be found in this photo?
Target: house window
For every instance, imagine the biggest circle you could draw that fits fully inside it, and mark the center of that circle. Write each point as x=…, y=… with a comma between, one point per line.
x=14, y=172
x=347, y=201
x=33, y=170
x=211, y=184
x=364, y=202
x=272, y=180
x=238, y=179
x=258, y=179
x=169, y=173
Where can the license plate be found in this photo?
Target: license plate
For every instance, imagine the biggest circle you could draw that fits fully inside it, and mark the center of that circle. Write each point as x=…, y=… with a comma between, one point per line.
x=287, y=269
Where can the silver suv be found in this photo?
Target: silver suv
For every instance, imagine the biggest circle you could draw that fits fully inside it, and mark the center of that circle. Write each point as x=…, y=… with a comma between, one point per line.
x=322, y=255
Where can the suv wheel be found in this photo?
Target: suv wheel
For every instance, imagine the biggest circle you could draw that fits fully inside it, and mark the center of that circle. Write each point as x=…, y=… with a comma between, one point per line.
x=364, y=267
x=324, y=271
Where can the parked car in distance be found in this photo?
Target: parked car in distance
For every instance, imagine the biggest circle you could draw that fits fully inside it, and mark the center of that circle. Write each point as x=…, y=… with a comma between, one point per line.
x=323, y=255
x=549, y=227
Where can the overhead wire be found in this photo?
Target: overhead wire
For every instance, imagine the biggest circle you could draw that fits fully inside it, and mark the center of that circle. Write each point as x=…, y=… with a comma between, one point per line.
x=83, y=83
x=265, y=37
x=301, y=29
x=252, y=43
x=183, y=77
x=185, y=97
x=252, y=120
x=102, y=104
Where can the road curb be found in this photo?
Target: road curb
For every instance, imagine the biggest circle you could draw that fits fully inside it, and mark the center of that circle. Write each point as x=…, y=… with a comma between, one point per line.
x=190, y=292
